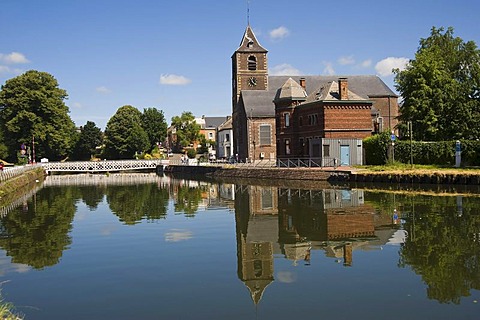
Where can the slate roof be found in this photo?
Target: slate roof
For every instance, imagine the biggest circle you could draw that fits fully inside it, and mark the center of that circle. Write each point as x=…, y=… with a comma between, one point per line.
x=214, y=122
x=259, y=103
x=291, y=90
x=329, y=92
x=227, y=125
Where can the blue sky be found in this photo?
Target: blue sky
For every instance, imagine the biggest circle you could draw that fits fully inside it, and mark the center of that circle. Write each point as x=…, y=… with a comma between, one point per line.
x=176, y=55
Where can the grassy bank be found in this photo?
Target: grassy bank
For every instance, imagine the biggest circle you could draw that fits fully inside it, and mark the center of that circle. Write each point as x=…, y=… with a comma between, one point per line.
x=10, y=189
x=399, y=168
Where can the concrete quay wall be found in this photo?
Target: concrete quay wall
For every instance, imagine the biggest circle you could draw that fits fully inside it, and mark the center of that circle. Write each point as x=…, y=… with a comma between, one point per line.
x=331, y=175
x=316, y=174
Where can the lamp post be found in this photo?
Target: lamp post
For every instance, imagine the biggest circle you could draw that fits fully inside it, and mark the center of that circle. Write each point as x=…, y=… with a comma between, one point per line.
x=33, y=149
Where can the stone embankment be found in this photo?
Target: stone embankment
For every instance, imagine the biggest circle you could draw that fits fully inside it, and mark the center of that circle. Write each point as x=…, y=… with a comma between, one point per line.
x=13, y=182
x=316, y=174
x=340, y=174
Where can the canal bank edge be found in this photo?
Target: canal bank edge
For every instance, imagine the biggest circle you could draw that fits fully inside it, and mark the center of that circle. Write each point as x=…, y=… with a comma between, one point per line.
x=10, y=188
x=340, y=174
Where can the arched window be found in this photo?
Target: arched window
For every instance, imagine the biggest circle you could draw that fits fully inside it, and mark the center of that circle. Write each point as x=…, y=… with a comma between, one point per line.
x=252, y=63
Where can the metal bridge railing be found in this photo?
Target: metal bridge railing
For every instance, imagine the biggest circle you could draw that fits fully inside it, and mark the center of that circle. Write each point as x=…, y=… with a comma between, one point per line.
x=11, y=172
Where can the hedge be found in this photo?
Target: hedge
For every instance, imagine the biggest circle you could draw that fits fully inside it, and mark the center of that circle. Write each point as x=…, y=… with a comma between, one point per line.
x=427, y=153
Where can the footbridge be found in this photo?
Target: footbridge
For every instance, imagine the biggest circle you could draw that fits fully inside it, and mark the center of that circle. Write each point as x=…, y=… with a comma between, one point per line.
x=105, y=165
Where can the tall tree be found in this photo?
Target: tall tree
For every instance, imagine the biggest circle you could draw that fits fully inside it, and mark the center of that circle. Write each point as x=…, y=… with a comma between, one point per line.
x=187, y=130
x=154, y=124
x=124, y=136
x=89, y=139
x=32, y=108
x=440, y=88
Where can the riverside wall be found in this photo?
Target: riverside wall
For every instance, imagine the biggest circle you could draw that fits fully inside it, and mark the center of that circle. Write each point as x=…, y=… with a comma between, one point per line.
x=329, y=175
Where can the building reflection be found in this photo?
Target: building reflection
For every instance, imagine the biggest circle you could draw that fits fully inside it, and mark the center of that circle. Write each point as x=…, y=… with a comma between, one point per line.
x=272, y=222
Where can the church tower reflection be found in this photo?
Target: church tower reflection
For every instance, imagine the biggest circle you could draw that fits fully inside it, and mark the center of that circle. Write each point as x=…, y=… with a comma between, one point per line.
x=257, y=236
x=273, y=222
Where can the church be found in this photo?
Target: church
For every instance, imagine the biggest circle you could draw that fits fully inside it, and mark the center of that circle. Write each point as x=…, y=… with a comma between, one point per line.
x=304, y=117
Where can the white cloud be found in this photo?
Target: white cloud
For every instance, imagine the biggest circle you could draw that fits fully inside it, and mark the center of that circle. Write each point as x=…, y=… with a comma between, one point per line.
x=284, y=70
x=286, y=277
x=13, y=58
x=5, y=70
x=366, y=63
x=346, y=60
x=279, y=33
x=384, y=67
x=328, y=68
x=103, y=89
x=77, y=105
x=174, y=80
x=176, y=235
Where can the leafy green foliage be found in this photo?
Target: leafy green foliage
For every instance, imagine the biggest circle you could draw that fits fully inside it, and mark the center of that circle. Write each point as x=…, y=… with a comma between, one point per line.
x=376, y=148
x=154, y=124
x=187, y=130
x=32, y=107
x=90, y=137
x=124, y=135
x=440, y=88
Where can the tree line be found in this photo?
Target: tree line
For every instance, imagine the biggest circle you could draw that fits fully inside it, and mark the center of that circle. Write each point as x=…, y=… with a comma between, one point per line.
x=35, y=123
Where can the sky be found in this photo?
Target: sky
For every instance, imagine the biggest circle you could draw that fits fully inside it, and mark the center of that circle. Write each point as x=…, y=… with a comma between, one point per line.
x=176, y=55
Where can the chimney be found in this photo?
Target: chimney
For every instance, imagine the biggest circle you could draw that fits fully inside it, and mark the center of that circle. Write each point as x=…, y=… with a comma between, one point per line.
x=303, y=84
x=343, y=88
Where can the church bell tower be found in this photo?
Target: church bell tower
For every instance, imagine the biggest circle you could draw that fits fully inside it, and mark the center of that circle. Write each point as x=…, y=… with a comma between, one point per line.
x=249, y=66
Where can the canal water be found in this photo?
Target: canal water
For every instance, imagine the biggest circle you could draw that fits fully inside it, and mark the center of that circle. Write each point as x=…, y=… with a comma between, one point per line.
x=141, y=246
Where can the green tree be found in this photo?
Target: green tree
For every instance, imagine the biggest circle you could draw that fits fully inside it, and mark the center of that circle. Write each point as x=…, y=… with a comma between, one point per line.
x=440, y=88
x=124, y=136
x=187, y=130
x=154, y=124
x=90, y=137
x=32, y=107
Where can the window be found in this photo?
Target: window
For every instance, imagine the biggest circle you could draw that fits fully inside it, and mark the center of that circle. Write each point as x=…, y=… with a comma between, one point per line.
x=287, y=119
x=287, y=146
x=267, y=199
x=210, y=135
x=313, y=119
x=300, y=121
x=265, y=134
x=227, y=137
x=252, y=63
x=326, y=150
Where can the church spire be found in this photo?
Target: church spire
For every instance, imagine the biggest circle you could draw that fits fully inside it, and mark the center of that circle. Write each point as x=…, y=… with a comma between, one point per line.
x=250, y=43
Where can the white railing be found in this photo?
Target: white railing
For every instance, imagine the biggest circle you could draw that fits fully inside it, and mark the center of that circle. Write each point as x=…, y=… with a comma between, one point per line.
x=11, y=172
x=103, y=166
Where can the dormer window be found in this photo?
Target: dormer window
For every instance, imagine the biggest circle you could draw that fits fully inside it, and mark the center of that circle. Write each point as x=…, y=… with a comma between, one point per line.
x=252, y=63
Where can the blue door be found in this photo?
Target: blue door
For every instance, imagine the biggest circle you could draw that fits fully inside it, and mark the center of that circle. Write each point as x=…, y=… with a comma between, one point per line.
x=344, y=155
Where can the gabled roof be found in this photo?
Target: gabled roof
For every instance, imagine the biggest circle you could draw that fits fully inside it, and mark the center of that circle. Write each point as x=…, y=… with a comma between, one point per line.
x=291, y=90
x=227, y=125
x=214, y=122
x=329, y=91
x=366, y=86
x=250, y=43
x=259, y=103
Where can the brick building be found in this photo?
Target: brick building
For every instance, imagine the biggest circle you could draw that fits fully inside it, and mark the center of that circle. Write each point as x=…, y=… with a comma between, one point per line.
x=261, y=102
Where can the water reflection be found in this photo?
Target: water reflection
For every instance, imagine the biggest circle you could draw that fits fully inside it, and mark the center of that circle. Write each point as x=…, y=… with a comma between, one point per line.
x=438, y=236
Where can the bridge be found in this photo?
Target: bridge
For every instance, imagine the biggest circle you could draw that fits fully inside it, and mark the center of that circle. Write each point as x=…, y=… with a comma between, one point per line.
x=104, y=165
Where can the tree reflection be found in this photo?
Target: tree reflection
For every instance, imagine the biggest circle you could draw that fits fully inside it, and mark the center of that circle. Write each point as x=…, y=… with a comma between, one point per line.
x=133, y=203
x=188, y=198
x=443, y=245
x=37, y=233
x=91, y=196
